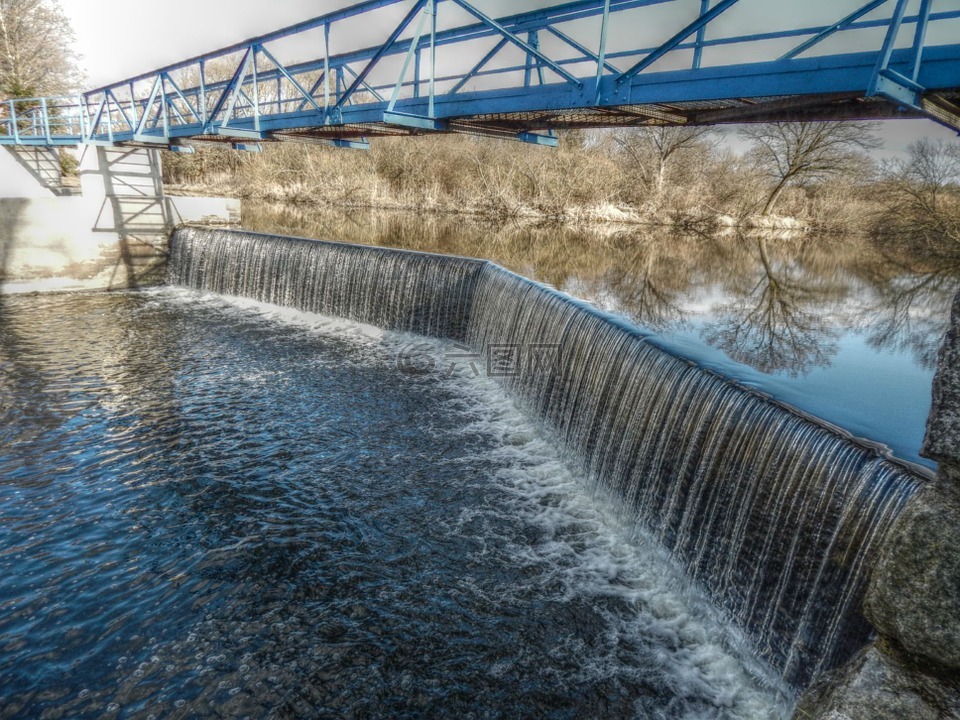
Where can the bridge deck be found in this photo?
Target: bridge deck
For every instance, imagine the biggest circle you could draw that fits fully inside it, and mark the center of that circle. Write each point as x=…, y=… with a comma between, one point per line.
x=394, y=67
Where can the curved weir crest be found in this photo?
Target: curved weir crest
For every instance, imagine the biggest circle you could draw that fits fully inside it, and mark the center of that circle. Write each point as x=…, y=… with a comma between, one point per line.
x=778, y=516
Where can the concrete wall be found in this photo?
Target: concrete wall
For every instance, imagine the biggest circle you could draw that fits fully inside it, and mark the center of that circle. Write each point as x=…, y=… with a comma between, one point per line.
x=18, y=172
x=114, y=235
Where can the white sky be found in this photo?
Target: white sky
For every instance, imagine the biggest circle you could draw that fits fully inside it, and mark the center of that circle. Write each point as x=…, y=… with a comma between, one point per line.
x=116, y=41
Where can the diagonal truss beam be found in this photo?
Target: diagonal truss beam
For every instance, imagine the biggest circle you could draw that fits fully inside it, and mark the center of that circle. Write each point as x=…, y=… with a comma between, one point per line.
x=394, y=36
x=919, y=37
x=479, y=66
x=893, y=29
x=230, y=89
x=672, y=43
x=312, y=92
x=179, y=93
x=587, y=53
x=833, y=29
x=123, y=113
x=308, y=97
x=239, y=79
x=526, y=47
x=363, y=83
x=149, y=106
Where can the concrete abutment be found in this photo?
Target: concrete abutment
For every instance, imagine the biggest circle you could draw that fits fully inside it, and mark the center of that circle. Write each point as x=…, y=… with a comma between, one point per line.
x=113, y=235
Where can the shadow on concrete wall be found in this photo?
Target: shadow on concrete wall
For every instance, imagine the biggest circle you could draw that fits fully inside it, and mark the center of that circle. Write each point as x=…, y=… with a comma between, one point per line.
x=135, y=209
x=43, y=164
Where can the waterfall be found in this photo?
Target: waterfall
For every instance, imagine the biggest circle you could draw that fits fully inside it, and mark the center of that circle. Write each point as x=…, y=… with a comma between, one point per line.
x=777, y=515
x=394, y=289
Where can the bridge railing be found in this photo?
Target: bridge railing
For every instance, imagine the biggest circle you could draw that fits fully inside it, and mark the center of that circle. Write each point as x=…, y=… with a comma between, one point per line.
x=42, y=121
x=446, y=65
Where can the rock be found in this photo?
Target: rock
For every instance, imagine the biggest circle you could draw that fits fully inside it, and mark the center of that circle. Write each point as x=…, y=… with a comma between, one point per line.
x=942, y=441
x=879, y=685
x=518, y=438
x=914, y=592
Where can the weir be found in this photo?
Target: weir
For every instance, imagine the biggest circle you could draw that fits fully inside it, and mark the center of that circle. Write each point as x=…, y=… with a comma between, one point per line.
x=777, y=515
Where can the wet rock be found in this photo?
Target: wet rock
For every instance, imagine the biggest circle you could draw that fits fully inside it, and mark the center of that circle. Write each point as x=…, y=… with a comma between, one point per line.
x=879, y=684
x=942, y=441
x=914, y=592
x=518, y=438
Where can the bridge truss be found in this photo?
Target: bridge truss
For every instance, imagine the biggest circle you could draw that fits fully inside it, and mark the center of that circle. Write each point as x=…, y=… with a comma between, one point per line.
x=400, y=67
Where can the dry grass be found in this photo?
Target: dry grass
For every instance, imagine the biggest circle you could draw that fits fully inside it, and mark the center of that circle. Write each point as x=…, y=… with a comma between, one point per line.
x=588, y=180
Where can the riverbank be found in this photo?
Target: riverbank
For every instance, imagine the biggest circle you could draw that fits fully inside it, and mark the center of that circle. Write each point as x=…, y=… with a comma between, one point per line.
x=605, y=179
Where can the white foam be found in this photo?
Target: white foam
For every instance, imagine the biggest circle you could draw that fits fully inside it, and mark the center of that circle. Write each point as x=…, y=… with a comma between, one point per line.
x=595, y=554
x=315, y=323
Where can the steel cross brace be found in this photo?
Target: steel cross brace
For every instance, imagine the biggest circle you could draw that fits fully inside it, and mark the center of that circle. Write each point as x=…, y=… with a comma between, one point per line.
x=359, y=79
x=429, y=12
x=836, y=27
x=905, y=89
x=526, y=47
x=701, y=22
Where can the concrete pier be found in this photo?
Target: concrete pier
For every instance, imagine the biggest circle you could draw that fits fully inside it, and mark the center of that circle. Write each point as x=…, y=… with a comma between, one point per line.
x=113, y=234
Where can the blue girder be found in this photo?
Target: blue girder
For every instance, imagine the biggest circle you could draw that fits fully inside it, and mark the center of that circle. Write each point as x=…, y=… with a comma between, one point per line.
x=520, y=75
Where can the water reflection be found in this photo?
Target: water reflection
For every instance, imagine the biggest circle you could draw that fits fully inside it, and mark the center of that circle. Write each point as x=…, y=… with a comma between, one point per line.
x=779, y=316
x=649, y=280
x=781, y=304
x=909, y=312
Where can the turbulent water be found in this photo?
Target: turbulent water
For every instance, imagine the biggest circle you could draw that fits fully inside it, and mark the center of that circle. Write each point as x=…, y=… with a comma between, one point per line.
x=777, y=516
x=216, y=508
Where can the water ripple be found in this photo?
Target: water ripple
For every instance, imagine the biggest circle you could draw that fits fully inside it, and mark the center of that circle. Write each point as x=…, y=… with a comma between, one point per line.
x=211, y=513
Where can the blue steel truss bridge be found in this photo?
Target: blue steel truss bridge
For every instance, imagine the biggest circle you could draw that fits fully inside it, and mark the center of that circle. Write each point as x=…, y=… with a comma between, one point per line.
x=522, y=70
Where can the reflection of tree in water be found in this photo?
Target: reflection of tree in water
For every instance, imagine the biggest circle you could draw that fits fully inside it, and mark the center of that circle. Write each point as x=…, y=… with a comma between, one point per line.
x=650, y=282
x=911, y=311
x=779, y=321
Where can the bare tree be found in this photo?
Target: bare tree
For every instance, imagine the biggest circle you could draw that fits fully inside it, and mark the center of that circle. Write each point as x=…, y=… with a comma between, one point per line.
x=653, y=150
x=650, y=278
x=798, y=153
x=911, y=311
x=921, y=197
x=36, y=56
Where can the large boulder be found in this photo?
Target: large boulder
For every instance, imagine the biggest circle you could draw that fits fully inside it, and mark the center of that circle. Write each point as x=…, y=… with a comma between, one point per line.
x=878, y=685
x=914, y=592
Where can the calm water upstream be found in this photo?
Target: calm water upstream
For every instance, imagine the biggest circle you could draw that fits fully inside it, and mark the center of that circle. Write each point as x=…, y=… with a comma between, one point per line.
x=215, y=508
x=832, y=325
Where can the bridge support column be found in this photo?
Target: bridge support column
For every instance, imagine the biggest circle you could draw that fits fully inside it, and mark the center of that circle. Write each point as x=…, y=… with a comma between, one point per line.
x=912, y=670
x=113, y=235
